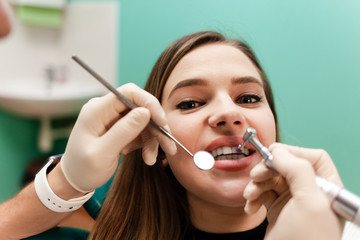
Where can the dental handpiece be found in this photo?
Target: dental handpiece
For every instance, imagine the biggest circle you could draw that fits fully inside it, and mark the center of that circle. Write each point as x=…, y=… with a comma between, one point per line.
x=343, y=202
x=250, y=136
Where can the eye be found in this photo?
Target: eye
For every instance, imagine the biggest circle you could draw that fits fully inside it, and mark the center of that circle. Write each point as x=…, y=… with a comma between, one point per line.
x=248, y=99
x=189, y=104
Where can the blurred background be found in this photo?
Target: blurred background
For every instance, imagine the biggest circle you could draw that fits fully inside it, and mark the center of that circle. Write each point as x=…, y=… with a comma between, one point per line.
x=309, y=50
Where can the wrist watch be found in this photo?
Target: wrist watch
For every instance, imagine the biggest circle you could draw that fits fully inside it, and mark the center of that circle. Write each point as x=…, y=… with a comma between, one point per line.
x=49, y=199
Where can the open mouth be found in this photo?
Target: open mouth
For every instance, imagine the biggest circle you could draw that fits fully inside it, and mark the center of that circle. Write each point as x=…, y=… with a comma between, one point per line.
x=230, y=153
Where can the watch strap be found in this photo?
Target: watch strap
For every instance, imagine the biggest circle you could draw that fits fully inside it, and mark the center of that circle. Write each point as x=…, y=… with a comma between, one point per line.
x=49, y=199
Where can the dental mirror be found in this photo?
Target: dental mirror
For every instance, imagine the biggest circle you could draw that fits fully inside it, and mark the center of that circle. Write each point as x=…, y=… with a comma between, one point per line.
x=204, y=160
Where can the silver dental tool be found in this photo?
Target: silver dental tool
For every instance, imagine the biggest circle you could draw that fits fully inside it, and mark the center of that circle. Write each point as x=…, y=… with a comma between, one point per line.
x=202, y=159
x=250, y=136
x=343, y=202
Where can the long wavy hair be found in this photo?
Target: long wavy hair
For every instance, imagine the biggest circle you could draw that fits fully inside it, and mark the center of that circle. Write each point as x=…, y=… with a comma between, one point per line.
x=147, y=202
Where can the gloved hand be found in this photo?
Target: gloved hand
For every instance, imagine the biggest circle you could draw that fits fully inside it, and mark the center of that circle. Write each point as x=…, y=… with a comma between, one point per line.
x=105, y=129
x=297, y=208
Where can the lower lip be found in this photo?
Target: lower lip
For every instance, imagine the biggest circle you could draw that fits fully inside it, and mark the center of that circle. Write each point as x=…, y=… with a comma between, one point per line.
x=234, y=165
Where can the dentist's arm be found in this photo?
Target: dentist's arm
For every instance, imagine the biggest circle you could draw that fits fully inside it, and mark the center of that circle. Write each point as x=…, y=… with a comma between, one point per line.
x=24, y=215
x=105, y=129
x=297, y=208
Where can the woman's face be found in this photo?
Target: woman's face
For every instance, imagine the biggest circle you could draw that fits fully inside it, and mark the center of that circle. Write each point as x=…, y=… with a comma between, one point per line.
x=212, y=96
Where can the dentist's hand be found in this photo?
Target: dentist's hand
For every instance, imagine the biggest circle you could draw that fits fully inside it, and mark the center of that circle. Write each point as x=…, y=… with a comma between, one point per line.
x=105, y=129
x=297, y=208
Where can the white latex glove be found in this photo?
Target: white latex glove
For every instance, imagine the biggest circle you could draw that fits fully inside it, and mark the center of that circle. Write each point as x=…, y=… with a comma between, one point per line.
x=105, y=129
x=297, y=208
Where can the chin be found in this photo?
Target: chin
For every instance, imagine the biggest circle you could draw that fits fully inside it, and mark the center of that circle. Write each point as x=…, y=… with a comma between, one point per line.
x=230, y=198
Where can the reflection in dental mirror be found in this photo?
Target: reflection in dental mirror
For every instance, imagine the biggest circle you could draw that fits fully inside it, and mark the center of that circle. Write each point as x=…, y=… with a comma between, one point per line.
x=204, y=160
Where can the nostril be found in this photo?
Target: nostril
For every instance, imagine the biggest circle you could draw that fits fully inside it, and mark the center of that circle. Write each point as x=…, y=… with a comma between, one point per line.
x=225, y=118
x=222, y=123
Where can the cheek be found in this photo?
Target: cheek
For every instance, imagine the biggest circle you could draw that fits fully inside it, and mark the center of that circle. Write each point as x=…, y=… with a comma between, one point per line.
x=186, y=130
x=187, y=133
x=265, y=127
x=183, y=168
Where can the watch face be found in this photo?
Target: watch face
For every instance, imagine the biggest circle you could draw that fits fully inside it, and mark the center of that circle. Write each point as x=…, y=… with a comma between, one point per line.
x=36, y=164
x=56, y=159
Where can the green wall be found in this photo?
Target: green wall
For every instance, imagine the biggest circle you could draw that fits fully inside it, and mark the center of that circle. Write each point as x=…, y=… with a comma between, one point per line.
x=309, y=50
x=18, y=147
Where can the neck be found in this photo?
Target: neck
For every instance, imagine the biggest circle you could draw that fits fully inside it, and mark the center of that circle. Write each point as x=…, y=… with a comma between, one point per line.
x=213, y=218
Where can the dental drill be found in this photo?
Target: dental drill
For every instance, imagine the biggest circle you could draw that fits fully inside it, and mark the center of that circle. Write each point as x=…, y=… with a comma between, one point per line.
x=343, y=202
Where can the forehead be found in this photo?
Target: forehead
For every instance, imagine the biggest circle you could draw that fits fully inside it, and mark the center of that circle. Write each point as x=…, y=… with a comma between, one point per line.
x=214, y=62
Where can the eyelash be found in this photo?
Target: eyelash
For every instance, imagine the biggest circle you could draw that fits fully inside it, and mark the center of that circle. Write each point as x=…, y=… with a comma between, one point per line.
x=189, y=104
x=192, y=104
x=250, y=99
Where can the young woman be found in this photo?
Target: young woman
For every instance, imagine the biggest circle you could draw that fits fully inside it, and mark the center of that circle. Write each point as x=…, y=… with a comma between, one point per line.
x=211, y=89
x=208, y=90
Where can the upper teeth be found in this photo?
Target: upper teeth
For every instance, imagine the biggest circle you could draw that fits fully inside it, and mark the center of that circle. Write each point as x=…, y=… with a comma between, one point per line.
x=228, y=150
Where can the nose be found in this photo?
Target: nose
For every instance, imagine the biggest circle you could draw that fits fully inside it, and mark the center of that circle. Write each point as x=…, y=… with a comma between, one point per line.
x=226, y=114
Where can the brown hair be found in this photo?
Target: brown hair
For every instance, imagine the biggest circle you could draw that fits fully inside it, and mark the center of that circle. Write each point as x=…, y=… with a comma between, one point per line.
x=148, y=202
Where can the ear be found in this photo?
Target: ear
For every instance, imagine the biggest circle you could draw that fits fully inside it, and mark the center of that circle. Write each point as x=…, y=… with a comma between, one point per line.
x=165, y=162
x=162, y=157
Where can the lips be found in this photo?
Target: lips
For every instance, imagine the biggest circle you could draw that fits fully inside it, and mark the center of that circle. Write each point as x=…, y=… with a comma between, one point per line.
x=227, y=154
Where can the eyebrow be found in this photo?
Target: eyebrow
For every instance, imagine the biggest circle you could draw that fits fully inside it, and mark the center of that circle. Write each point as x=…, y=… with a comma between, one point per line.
x=202, y=82
x=246, y=79
x=188, y=83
